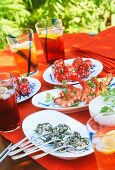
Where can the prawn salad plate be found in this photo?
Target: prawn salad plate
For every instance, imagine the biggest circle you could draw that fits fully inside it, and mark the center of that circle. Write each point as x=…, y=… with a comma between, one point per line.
x=72, y=69
x=72, y=98
x=68, y=136
x=26, y=87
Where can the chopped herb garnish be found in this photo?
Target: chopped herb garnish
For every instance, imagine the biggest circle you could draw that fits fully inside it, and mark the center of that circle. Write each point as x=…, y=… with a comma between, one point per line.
x=74, y=90
x=76, y=104
x=64, y=83
x=90, y=83
x=92, y=94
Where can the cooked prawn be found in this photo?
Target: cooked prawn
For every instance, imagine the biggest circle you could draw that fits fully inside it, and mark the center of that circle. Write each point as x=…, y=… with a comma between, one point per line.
x=67, y=103
x=73, y=94
x=86, y=91
x=88, y=99
x=58, y=100
x=101, y=86
x=77, y=94
x=107, y=79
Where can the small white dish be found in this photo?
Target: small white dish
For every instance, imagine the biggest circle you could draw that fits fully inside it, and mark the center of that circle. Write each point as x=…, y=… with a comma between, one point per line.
x=35, y=86
x=39, y=100
x=48, y=75
x=95, y=106
x=55, y=118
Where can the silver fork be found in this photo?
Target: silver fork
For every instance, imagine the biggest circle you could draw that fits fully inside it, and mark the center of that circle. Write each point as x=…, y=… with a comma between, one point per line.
x=35, y=149
x=56, y=149
x=30, y=150
x=49, y=152
x=24, y=142
x=5, y=152
x=18, y=143
x=20, y=149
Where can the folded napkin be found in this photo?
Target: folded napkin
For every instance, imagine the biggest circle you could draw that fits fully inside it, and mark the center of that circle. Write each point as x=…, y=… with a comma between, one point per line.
x=100, y=47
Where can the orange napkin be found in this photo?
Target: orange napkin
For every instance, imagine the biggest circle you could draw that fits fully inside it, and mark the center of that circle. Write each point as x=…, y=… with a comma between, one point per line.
x=101, y=47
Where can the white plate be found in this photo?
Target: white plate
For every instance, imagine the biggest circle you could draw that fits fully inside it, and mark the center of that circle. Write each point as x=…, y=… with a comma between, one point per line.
x=34, y=86
x=48, y=75
x=55, y=118
x=39, y=100
x=95, y=106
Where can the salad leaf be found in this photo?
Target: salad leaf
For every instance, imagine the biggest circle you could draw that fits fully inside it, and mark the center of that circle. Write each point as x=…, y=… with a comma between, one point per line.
x=109, y=95
x=49, y=97
x=106, y=109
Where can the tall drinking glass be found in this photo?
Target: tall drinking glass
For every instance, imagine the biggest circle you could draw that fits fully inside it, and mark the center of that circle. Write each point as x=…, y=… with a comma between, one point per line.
x=50, y=32
x=23, y=48
x=93, y=127
x=9, y=115
x=104, y=147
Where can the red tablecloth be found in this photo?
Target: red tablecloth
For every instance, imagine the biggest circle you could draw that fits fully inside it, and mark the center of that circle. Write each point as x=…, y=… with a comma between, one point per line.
x=26, y=108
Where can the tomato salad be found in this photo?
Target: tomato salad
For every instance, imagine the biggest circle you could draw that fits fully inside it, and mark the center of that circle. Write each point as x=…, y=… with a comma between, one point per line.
x=22, y=86
x=72, y=72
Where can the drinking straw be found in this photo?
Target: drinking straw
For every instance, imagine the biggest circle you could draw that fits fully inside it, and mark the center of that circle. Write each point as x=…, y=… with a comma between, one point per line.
x=46, y=47
x=29, y=57
x=54, y=20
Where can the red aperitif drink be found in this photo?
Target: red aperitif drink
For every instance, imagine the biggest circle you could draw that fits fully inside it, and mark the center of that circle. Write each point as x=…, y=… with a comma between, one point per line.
x=104, y=147
x=9, y=116
x=53, y=47
x=25, y=57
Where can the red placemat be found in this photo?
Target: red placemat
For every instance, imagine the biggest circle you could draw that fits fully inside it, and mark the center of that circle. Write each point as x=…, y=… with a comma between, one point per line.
x=26, y=108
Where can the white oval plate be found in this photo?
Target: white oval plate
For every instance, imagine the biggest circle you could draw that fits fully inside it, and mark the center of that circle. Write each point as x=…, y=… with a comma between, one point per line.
x=95, y=106
x=48, y=75
x=55, y=118
x=39, y=100
x=35, y=85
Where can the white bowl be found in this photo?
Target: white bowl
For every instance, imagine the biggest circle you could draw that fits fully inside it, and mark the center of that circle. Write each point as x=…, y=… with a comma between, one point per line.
x=94, y=108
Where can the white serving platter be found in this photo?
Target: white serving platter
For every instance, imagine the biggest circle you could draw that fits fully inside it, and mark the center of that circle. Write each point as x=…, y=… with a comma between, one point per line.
x=54, y=117
x=97, y=67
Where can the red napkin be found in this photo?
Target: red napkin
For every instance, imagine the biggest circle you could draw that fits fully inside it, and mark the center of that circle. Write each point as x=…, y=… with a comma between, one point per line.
x=101, y=47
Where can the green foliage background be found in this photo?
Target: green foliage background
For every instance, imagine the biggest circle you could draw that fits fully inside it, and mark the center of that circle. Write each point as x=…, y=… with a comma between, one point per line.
x=89, y=16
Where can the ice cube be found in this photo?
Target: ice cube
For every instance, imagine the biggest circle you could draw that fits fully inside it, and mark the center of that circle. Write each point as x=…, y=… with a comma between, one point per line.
x=3, y=90
x=5, y=96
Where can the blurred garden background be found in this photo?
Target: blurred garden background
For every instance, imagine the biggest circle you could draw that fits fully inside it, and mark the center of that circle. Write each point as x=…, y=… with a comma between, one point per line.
x=90, y=16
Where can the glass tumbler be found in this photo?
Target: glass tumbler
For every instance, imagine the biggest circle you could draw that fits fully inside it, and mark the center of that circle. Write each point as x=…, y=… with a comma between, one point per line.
x=9, y=115
x=103, y=142
x=50, y=32
x=22, y=46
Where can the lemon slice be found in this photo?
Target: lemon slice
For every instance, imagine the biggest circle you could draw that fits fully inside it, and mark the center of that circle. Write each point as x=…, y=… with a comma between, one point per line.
x=109, y=142
x=51, y=36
